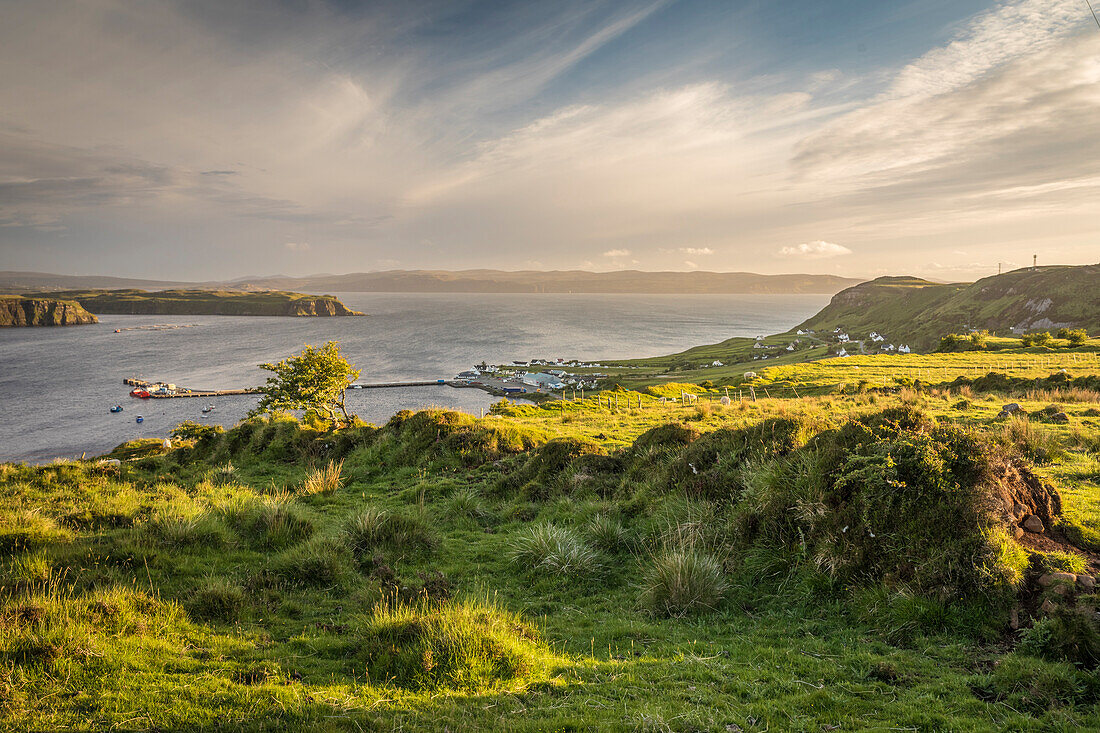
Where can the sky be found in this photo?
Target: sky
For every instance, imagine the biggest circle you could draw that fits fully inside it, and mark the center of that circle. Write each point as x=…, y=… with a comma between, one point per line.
x=203, y=140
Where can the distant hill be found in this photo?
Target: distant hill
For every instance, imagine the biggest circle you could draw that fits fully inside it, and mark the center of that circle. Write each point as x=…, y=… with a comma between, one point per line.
x=20, y=311
x=918, y=312
x=558, y=281
x=206, y=302
x=23, y=282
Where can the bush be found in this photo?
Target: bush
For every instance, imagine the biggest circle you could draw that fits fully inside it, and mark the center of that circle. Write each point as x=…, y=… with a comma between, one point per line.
x=1075, y=336
x=458, y=645
x=1068, y=634
x=682, y=581
x=553, y=550
x=1039, y=338
x=375, y=529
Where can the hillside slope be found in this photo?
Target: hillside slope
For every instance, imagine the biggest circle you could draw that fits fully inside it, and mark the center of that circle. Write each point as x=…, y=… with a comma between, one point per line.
x=207, y=302
x=16, y=311
x=918, y=312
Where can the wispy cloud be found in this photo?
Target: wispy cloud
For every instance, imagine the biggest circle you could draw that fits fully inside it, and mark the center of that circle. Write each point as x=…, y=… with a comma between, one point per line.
x=817, y=250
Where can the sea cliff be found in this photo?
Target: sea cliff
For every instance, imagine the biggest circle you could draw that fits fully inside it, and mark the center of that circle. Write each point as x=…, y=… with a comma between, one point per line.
x=17, y=311
x=208, y=303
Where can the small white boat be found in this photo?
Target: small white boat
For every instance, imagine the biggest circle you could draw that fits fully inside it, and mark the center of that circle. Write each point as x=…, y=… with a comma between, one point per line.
x=208, y=408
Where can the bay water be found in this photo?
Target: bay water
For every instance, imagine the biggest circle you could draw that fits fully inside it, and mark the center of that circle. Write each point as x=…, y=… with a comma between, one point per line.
x=57, y=384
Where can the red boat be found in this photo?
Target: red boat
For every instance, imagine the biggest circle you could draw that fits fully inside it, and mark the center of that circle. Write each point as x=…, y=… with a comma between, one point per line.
x=143, y=394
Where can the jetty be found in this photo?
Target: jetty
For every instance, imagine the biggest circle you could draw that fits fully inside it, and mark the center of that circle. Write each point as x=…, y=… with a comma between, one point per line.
x=167, y=390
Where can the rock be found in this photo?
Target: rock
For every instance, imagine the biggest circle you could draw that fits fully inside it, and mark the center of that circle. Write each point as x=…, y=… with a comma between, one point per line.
x=1047, y=607
x=1048, y=579
x=1010, y=408
x=1001, y=414
x=1014, y=619
x=1087, y=582
x=1019, y=510
x=1059, y=417
x=1018, y=532
x=1033, y=524
x=110, y=462
x=725, y=401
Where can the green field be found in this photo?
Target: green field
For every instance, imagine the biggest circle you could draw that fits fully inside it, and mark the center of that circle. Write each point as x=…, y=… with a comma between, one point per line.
x=614, y=563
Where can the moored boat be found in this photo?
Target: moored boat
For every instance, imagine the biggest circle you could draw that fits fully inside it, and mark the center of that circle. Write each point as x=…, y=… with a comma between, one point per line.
x=116, y=408
x=140, y=419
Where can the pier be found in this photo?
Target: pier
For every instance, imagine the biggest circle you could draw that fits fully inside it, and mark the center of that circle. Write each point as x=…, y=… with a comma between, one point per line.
x=164, y=390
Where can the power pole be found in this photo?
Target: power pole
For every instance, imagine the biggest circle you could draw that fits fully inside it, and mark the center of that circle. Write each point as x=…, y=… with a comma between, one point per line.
x=1034, y=262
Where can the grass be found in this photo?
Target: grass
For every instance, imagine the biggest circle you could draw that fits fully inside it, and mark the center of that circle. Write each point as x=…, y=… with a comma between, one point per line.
x=697, y=580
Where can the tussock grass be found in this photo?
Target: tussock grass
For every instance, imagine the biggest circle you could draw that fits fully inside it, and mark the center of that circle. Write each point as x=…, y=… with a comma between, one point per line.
x=179, y=530
x=679, y=581
x=1034, y=441
x=27, y=529
x=554, y=550
x=607, y=533
x=324, y=481
x=467, y=503
x=373, y=530
x=217, y=599
x=461, y=645
x=322, y=562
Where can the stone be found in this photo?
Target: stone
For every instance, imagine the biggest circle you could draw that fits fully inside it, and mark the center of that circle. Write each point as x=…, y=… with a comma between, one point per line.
x=1059, y=417
x=1048, y=579
x=1047, y=607
x=1087, y=582
x=1019, y=510
x=1001, y=414
x=1014, y=619
x=1033, y=524
x=1018, y=532
x=1011, y=407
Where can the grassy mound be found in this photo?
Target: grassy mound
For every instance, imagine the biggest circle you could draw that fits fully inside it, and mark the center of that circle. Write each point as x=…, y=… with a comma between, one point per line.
x=459, y=645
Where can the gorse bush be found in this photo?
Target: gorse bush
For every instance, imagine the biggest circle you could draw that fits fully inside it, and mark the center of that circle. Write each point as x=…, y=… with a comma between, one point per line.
x=554, y=550
x=681, y=581
x=460, y=645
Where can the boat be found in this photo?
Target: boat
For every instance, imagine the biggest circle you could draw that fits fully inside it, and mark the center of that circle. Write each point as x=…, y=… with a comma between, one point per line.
x=118, y=330
x=140, y=419
x=208, y=408
x=139, y=392
x=116, y=408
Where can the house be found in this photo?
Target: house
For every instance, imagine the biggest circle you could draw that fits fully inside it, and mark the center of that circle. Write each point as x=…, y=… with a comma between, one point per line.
x=790, y=347
x=800, y=332
x=903, y=349
x=842, y=338
x=758, y=345
x=469, y=374
x=543, y=380
x=842, y=352
x=716, y=363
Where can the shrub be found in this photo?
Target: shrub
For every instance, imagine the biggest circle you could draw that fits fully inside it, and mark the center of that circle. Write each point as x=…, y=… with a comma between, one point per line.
x=1068, y=634
x=553, y=550
x=1075, y=336
x=191, y=430
x=458, y=645
x=217, y=599
x=682, y=581
x=325, y=480
x=1039, y=338
x=375, y=529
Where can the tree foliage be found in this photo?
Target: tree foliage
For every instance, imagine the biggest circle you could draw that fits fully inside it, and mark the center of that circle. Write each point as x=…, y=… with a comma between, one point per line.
x=314, y=381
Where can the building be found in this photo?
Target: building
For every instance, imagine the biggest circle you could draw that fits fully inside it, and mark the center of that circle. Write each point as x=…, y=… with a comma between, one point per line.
x=543, y=380
x=903, y=349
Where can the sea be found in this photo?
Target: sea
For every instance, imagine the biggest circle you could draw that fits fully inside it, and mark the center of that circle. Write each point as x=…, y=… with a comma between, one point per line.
x=57, y=384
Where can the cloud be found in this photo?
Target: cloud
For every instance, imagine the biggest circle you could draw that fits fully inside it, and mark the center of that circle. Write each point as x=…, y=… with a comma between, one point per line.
x=297, y=246
x=690, y=265
x=617, y=253
x=697, y=250
x=817, y=250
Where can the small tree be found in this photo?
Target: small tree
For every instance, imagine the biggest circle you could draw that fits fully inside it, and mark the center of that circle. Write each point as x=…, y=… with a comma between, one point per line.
x=314, y=380
x=1075, y=336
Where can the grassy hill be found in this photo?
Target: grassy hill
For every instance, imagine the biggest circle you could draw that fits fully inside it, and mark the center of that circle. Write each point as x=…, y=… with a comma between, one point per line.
x=842, y=562
x=206, y=302
x=918, y=312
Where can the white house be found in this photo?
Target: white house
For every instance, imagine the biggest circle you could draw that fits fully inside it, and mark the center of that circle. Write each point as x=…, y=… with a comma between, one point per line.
x=790, y=347
x=541, y=379
x=842, y=352
x=903, y=349
x=842, y=338
x=716, y=363
x=758, y=345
